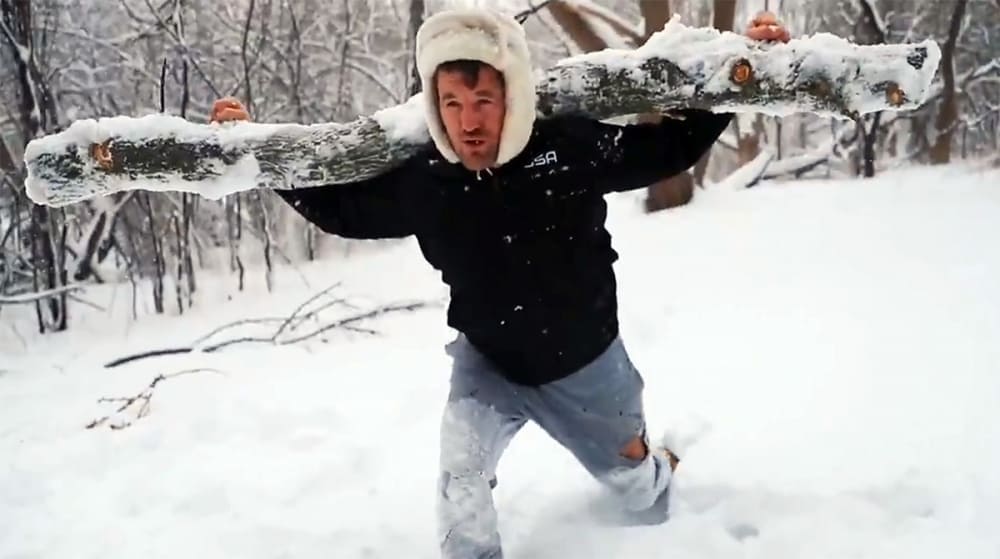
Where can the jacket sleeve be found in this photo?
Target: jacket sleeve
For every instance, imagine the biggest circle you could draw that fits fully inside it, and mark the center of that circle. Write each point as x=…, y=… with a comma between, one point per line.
x=368, y=209
x=638, y=155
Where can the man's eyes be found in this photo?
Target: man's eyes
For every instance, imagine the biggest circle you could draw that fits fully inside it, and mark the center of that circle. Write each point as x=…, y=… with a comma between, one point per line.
x=480, y=101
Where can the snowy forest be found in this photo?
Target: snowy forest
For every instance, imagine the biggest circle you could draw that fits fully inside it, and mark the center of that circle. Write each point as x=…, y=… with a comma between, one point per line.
x=310, y=61
x=811, y=311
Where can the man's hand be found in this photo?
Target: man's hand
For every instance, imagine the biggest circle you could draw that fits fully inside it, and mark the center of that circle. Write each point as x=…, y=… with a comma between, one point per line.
x=229, y=109
x=766, y=27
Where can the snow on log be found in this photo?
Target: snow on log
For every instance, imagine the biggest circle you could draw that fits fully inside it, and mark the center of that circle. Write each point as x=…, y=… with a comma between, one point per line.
x=679, y=67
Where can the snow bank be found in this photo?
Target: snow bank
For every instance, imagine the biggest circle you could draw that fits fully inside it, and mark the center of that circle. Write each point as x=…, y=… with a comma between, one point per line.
x=826, y=352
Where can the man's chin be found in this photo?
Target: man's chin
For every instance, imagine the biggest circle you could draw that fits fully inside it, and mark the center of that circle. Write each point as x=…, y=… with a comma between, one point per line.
x=477, y=162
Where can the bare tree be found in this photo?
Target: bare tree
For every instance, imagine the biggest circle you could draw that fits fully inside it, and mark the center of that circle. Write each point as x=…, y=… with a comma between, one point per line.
x=38, y=114
x=872, y=29
x=948, y=112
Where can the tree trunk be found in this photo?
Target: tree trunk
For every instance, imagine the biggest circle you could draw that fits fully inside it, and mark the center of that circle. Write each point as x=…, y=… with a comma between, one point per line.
x=416, y=20
x=574, y=23
x=677, y=190
x=265, y=230
x=591, y=27
x=159, y=265
x=655, y=13
x=872, y=31
x=868, y=153
x=724, y=14
x=948, y=112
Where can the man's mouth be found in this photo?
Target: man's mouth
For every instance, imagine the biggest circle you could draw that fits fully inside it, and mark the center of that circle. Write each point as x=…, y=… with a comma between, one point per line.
x=474, y=143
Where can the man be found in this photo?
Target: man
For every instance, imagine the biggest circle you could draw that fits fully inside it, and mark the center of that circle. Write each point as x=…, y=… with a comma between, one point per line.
x=511, y=210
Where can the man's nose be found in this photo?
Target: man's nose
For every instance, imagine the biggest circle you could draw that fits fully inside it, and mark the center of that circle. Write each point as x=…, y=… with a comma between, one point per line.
x=471, y=119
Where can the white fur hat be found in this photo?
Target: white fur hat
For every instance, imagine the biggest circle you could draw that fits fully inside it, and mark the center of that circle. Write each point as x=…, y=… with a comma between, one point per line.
x=486, y=36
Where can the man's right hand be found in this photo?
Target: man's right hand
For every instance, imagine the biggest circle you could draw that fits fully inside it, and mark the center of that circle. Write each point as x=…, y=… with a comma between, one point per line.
x=229, y=109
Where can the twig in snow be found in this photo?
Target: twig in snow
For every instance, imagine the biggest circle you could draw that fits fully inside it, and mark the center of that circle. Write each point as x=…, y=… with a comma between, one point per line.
x=299, y=309
x=142, y=398
x=90, y=304
x=292, y=320
x=336, y=324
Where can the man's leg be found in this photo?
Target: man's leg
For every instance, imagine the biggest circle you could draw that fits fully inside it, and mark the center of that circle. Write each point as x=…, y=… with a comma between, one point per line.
x=597, y=414
x=481, y=417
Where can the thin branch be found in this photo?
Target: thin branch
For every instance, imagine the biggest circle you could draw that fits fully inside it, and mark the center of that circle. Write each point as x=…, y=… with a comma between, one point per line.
x=532, y=9
x=147, y=354
x=294, y=321
x=187, y=51
x=300, y=308
x=90, y=304
x=357, y=318
x=144, y=396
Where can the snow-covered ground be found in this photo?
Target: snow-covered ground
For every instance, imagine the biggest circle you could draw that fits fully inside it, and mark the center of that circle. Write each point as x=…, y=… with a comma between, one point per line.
x=827, y=353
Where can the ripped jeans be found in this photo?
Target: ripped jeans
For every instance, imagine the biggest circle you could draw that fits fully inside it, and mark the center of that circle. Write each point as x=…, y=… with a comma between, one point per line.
x=595, y=412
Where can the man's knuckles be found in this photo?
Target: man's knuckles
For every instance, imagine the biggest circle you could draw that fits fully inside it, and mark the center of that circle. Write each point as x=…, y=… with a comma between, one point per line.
x=226, y=114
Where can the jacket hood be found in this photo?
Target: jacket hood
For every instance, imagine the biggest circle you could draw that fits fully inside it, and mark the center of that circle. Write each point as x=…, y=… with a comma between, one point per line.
x=490, y=37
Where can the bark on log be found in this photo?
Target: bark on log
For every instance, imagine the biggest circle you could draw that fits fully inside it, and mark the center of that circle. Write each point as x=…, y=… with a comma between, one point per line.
x=679, y=67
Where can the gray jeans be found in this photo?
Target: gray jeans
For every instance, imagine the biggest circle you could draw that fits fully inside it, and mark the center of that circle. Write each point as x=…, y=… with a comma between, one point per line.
x=594, y=413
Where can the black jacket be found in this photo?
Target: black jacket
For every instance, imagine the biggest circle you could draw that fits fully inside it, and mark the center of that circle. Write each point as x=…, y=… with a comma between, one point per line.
x=524, y=248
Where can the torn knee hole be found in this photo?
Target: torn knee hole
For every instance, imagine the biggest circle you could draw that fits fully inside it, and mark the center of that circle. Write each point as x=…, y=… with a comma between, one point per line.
x=636, y=449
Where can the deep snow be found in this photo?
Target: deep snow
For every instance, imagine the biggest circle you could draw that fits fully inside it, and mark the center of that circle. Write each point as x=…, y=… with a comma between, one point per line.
x=825, y=354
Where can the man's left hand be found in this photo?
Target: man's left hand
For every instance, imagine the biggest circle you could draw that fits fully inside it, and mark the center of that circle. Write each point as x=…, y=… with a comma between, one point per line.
x=766, y=27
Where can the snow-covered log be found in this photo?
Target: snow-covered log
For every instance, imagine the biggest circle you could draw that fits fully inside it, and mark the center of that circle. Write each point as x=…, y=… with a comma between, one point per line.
x=679, y=67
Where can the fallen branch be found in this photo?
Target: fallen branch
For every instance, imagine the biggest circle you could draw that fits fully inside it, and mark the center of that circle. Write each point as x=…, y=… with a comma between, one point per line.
x=766, y=167
x=796, y=166
x=26, y=298
x=679, y=67
x=750, y=173
x=143, y=398
x=148, y=354
x=286, y=333
x=90, y=304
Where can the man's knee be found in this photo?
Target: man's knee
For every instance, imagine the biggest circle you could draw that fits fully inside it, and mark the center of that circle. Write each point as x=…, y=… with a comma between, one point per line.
x=636, y=449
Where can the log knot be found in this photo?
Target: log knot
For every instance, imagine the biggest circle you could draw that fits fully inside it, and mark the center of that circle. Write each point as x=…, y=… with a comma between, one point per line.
x=102, y=154
x=894, y=95
x=742, y=72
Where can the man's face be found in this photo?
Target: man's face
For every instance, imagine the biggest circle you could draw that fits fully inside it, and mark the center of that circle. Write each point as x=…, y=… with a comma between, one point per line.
x=472, y=115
